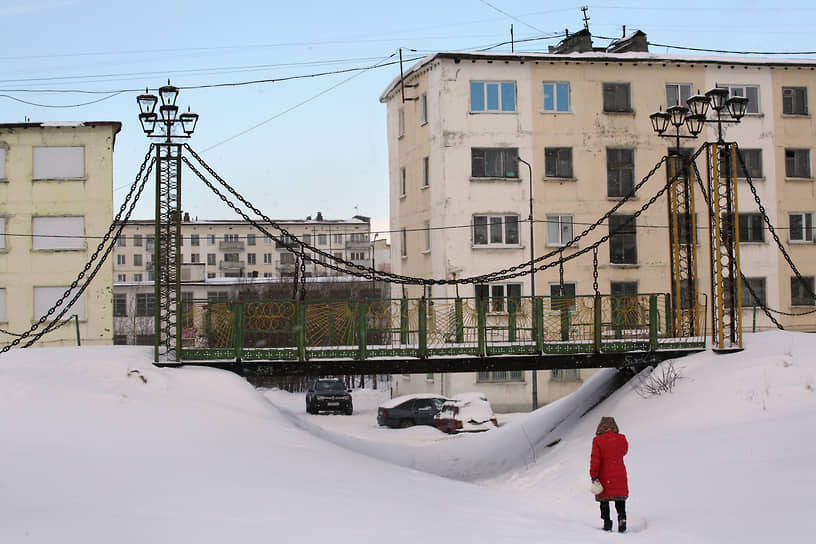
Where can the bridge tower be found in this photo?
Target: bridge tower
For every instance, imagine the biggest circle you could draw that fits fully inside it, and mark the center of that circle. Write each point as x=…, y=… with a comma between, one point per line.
x=167, y=126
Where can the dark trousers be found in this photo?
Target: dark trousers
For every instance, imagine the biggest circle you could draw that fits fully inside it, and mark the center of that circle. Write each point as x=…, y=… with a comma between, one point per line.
x=620, y=506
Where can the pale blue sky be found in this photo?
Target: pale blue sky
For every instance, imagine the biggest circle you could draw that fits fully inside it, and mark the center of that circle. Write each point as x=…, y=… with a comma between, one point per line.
x=318, y=143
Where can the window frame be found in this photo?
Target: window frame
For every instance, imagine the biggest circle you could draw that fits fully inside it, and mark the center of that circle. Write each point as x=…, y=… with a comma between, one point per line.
x=145, y=305
x=120, y=305
x=506, y=157
x=423, y=109
x=758, y=283
x=404, y=243
x=804, y=99
x=615, y=164
x=558, y=221
x=793, y=172
x=621, y=237
x=679, y=88
x=562, y=300
x=38, y=156
x=51, y=236
x=498, y=294
x=403, y=181
x=553, y=161
x=426, y=172
x=490, y=231
x=52, y=293
x=744, y=93
x=806, y=230
x=607, y=88
x=746, y=153
x=751, y=223
x=485, y=95
x=801, y=298
x=555, y=96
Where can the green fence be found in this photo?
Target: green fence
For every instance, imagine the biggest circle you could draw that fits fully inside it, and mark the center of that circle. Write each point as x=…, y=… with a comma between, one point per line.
x=264, y=330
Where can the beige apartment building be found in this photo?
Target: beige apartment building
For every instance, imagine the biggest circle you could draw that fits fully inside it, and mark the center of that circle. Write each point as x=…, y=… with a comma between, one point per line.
x=222, y=257
x=56, y=200
x=580, y=117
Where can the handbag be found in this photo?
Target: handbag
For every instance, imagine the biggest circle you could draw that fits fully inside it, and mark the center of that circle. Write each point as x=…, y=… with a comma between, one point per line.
x=596, y=488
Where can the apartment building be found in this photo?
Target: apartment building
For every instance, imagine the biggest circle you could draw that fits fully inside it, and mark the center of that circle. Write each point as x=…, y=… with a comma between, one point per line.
x=579, y=116
x=221, y=257
x=56, y=199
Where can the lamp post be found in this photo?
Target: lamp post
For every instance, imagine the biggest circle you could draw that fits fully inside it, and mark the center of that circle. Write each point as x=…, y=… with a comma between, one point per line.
x=722, y=202
x=532, y=272
x=167, y=127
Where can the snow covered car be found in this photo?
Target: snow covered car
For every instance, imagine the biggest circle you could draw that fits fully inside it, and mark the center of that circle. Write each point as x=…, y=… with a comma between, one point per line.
x=409, y=410
x=329, y=395
x=466, y=412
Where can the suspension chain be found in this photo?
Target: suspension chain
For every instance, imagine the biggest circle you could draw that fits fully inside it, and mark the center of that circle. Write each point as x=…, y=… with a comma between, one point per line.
x=595, y=271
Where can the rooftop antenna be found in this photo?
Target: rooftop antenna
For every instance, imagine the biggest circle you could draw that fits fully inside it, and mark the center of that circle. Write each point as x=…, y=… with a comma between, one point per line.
x=512, y=44
x=624, y=31
x=586, y=19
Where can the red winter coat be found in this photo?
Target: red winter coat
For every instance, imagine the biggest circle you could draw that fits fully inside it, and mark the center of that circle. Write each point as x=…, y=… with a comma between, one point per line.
x=606, y=461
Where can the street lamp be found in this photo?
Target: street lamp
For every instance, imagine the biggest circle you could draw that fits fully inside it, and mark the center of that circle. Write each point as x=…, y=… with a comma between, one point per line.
x=532, y=269
x=167, y=126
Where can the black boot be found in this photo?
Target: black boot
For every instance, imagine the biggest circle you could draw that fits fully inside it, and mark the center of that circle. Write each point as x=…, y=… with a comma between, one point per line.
x=621, y=525
x=607, y=524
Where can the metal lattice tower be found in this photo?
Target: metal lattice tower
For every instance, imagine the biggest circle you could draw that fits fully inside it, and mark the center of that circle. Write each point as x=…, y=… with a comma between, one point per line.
x=167, y=256
x=726, y=307
x=683, y=245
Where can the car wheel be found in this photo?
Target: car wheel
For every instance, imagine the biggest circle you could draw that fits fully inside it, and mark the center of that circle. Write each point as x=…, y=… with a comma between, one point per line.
x=405, y=423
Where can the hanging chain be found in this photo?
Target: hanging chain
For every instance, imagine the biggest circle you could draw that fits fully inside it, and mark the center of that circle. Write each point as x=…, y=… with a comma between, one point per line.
x=302, y=274
x=561, y=276
x=595, y=271
x=295, y=278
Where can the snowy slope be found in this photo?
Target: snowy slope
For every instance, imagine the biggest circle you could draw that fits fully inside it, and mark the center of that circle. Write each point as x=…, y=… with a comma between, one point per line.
x=93, y=453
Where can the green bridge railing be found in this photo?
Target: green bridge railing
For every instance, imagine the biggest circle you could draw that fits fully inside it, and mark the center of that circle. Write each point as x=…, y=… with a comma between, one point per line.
x=269, y=330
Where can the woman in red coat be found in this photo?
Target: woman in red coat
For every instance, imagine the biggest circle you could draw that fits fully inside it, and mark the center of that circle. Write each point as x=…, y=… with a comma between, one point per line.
x=607, y=469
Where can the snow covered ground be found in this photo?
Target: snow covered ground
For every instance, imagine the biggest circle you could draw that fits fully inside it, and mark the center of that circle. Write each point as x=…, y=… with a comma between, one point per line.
x=98, y=446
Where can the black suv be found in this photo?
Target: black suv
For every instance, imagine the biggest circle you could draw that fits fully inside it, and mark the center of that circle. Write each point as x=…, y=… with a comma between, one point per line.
x=329, y=395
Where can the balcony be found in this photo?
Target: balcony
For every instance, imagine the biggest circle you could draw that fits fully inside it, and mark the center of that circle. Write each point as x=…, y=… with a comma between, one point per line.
x=231, y=266
x=285, y=268
x=357, y=244
x=231, y=245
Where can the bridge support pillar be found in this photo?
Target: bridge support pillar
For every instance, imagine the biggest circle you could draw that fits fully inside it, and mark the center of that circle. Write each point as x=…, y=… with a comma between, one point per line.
x=423, y=327
x=652, y=322
x=362, y=330
x=597, y=312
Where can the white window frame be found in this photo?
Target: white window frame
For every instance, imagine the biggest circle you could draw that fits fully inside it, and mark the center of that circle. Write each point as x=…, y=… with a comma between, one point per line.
x=806, y=232
x=554, y=85
x=742, y=88
x=678, y=87
x=490, y=221
x=58, y=233
x=500, y=85
x=555, y=226
x=46, y=296
x=57, y=163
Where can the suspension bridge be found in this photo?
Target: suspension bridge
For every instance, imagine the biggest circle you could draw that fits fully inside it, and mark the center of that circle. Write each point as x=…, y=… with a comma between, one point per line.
x=418, y=335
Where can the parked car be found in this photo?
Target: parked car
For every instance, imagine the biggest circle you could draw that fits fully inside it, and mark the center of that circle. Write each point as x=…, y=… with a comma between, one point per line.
x=329, y=395
x=466, y=412
x=408, y=410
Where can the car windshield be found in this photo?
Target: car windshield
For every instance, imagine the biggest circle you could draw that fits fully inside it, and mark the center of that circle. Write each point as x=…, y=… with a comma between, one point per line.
x=330, y=386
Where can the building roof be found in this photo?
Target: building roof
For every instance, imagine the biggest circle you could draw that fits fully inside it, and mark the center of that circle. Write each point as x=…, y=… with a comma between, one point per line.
x=593, y=56
x=116, y=125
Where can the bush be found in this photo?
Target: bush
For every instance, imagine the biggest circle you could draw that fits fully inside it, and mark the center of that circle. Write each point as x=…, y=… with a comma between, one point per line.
x=661, y=380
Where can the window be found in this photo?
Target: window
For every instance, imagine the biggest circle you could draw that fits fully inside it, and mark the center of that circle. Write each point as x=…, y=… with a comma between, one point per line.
x=195, y=258
x=120, y=259
x=211, y=239
x=59, y=163
x=322, y=239
x=565, y=375
x=137, y=277
x=230, y=237
x=426, y=172
x=145, y=304
x=211, y=275
x=616, y=97
x=46, y=297
x=194, y=240
x=801, y=291
x=556, y=96
x=492, y=96
x=284, y=258
x=357, y=255
x=211, y=259
x=758, y=285
x=250, y=258
x=501, y=376
x=137, y=259
x=800, y=227
x=560, y=299
x=559, y=230
x=401, y=117
x=120, y=339
x=751, y=92
x=121, y=277
x=338, y=238
x=121, y=241
x=231, y=257
x=751, y=228
x=622, y=239
x=677, y=94
x=427, y=226
x=753, y=164
x=251, y=239
x=498, y=294
x=286, y=241
x=403, y=181
x=620, y=172
x=119, y=305
x=151, y=276
x=2, y=233
x=797, y=163
x=137, y=240
x=2, y=163
x=149, y=243
x=423, y=108
x=794, y=101
x=495, y=230
x=404, y=243
x=494, y=162
x=58, y=232
x=558, y=162
x=2, y=305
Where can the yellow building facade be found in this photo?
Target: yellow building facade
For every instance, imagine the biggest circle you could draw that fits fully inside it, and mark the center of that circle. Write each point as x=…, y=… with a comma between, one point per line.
x=56, y=202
